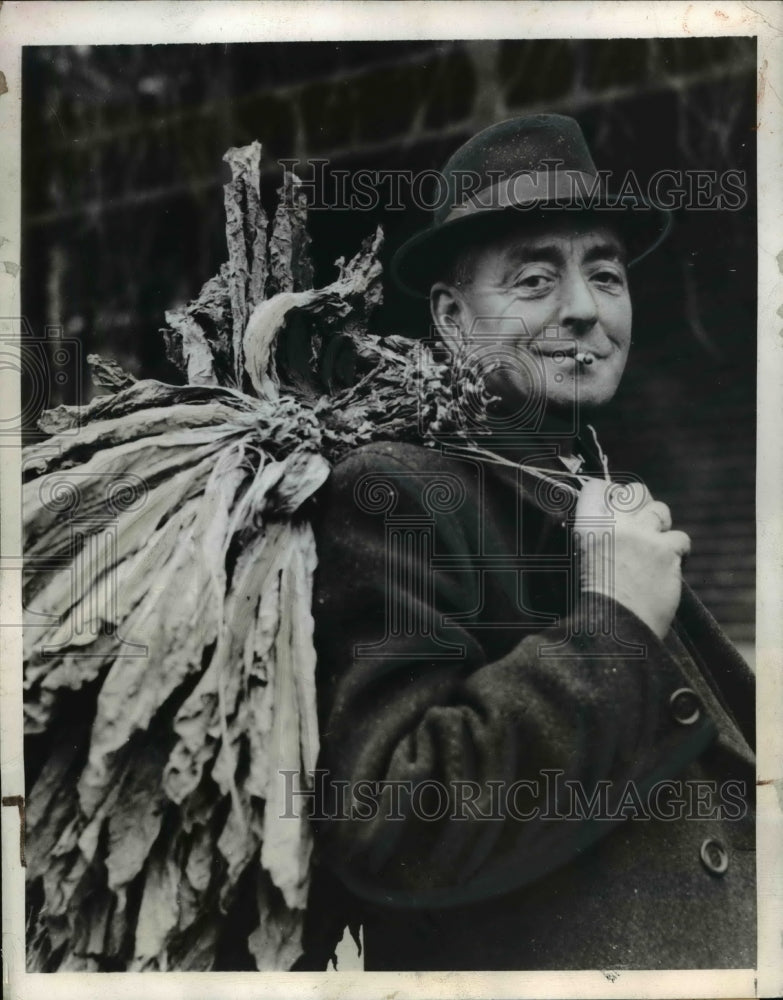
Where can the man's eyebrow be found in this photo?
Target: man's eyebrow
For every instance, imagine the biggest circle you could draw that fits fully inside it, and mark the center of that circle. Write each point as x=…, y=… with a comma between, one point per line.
x=606, y=250
x=525, y=253
x=551, y=253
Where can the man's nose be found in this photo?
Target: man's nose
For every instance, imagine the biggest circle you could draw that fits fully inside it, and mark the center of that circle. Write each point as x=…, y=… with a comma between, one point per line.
x=577, y=304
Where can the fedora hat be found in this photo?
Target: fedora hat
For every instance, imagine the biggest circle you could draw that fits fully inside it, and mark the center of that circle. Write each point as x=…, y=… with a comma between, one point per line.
x=513, y=172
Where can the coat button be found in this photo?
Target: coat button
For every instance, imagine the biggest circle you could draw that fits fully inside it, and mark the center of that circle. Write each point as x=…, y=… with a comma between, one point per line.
x=714, y=856
x=685, y=706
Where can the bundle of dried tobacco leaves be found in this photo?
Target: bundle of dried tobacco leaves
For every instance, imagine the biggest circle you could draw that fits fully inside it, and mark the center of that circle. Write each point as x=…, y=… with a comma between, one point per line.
x=169, y=661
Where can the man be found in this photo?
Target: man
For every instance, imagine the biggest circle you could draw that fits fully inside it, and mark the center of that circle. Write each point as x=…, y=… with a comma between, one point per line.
x=534, y=760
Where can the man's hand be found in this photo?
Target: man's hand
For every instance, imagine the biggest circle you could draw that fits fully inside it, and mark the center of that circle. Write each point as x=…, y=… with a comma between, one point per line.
x=638, y=562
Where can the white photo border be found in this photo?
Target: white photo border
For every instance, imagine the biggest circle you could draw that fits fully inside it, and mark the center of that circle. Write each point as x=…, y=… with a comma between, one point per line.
x=52, y=23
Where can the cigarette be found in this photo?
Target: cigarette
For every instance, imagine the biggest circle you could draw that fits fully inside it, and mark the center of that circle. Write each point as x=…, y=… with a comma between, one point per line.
x=584, y=358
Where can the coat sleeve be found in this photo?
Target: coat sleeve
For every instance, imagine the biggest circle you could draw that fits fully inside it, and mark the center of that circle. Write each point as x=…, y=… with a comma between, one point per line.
x=447, y=776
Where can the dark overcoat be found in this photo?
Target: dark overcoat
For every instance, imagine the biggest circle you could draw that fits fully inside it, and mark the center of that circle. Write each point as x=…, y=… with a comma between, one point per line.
x=456, y=653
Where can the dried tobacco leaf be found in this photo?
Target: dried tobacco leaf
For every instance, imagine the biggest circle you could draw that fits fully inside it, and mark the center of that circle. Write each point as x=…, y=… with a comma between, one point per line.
x=107, y=374
x=135, y=687
x=210, y=314
x=228, y=671
x=246, y=225
x=287, y=842
x=274, y=943
x=195, y=951
x=159, y=910
x=290, y=267
x=198, y=867
x=320, y=316
x=193, y=348
x=51, y=807
x=135, y=822
x=142, y=395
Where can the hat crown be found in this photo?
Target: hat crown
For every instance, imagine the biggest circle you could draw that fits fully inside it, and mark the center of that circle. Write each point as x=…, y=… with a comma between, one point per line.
x=517, y=145
x=528, y=166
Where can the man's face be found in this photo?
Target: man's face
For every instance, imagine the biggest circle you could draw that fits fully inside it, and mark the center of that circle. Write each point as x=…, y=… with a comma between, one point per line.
x=534, y=300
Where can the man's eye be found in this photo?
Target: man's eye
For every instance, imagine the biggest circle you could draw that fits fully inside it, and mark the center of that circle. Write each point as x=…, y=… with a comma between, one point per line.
x=533, y=282
x=609, y=277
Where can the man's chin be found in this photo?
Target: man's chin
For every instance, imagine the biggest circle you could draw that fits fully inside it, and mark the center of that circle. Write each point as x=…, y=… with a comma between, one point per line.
x=568, y=412
x=590, y=402
x=523, y=413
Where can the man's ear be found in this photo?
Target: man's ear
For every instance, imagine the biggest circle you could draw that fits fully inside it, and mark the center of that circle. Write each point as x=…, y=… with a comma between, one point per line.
x=448, y=311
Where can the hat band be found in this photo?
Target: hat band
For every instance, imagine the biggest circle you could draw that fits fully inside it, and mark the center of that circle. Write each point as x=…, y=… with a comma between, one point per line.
x=529, y=188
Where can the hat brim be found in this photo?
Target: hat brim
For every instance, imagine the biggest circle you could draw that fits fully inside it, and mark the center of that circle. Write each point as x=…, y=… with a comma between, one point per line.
x=418, y=263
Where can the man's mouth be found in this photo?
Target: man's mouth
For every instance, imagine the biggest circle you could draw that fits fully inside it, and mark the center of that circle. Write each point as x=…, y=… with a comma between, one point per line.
x=581, y=356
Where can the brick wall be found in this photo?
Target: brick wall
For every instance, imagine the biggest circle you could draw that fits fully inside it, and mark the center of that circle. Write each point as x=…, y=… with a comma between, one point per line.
x=122, y=214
